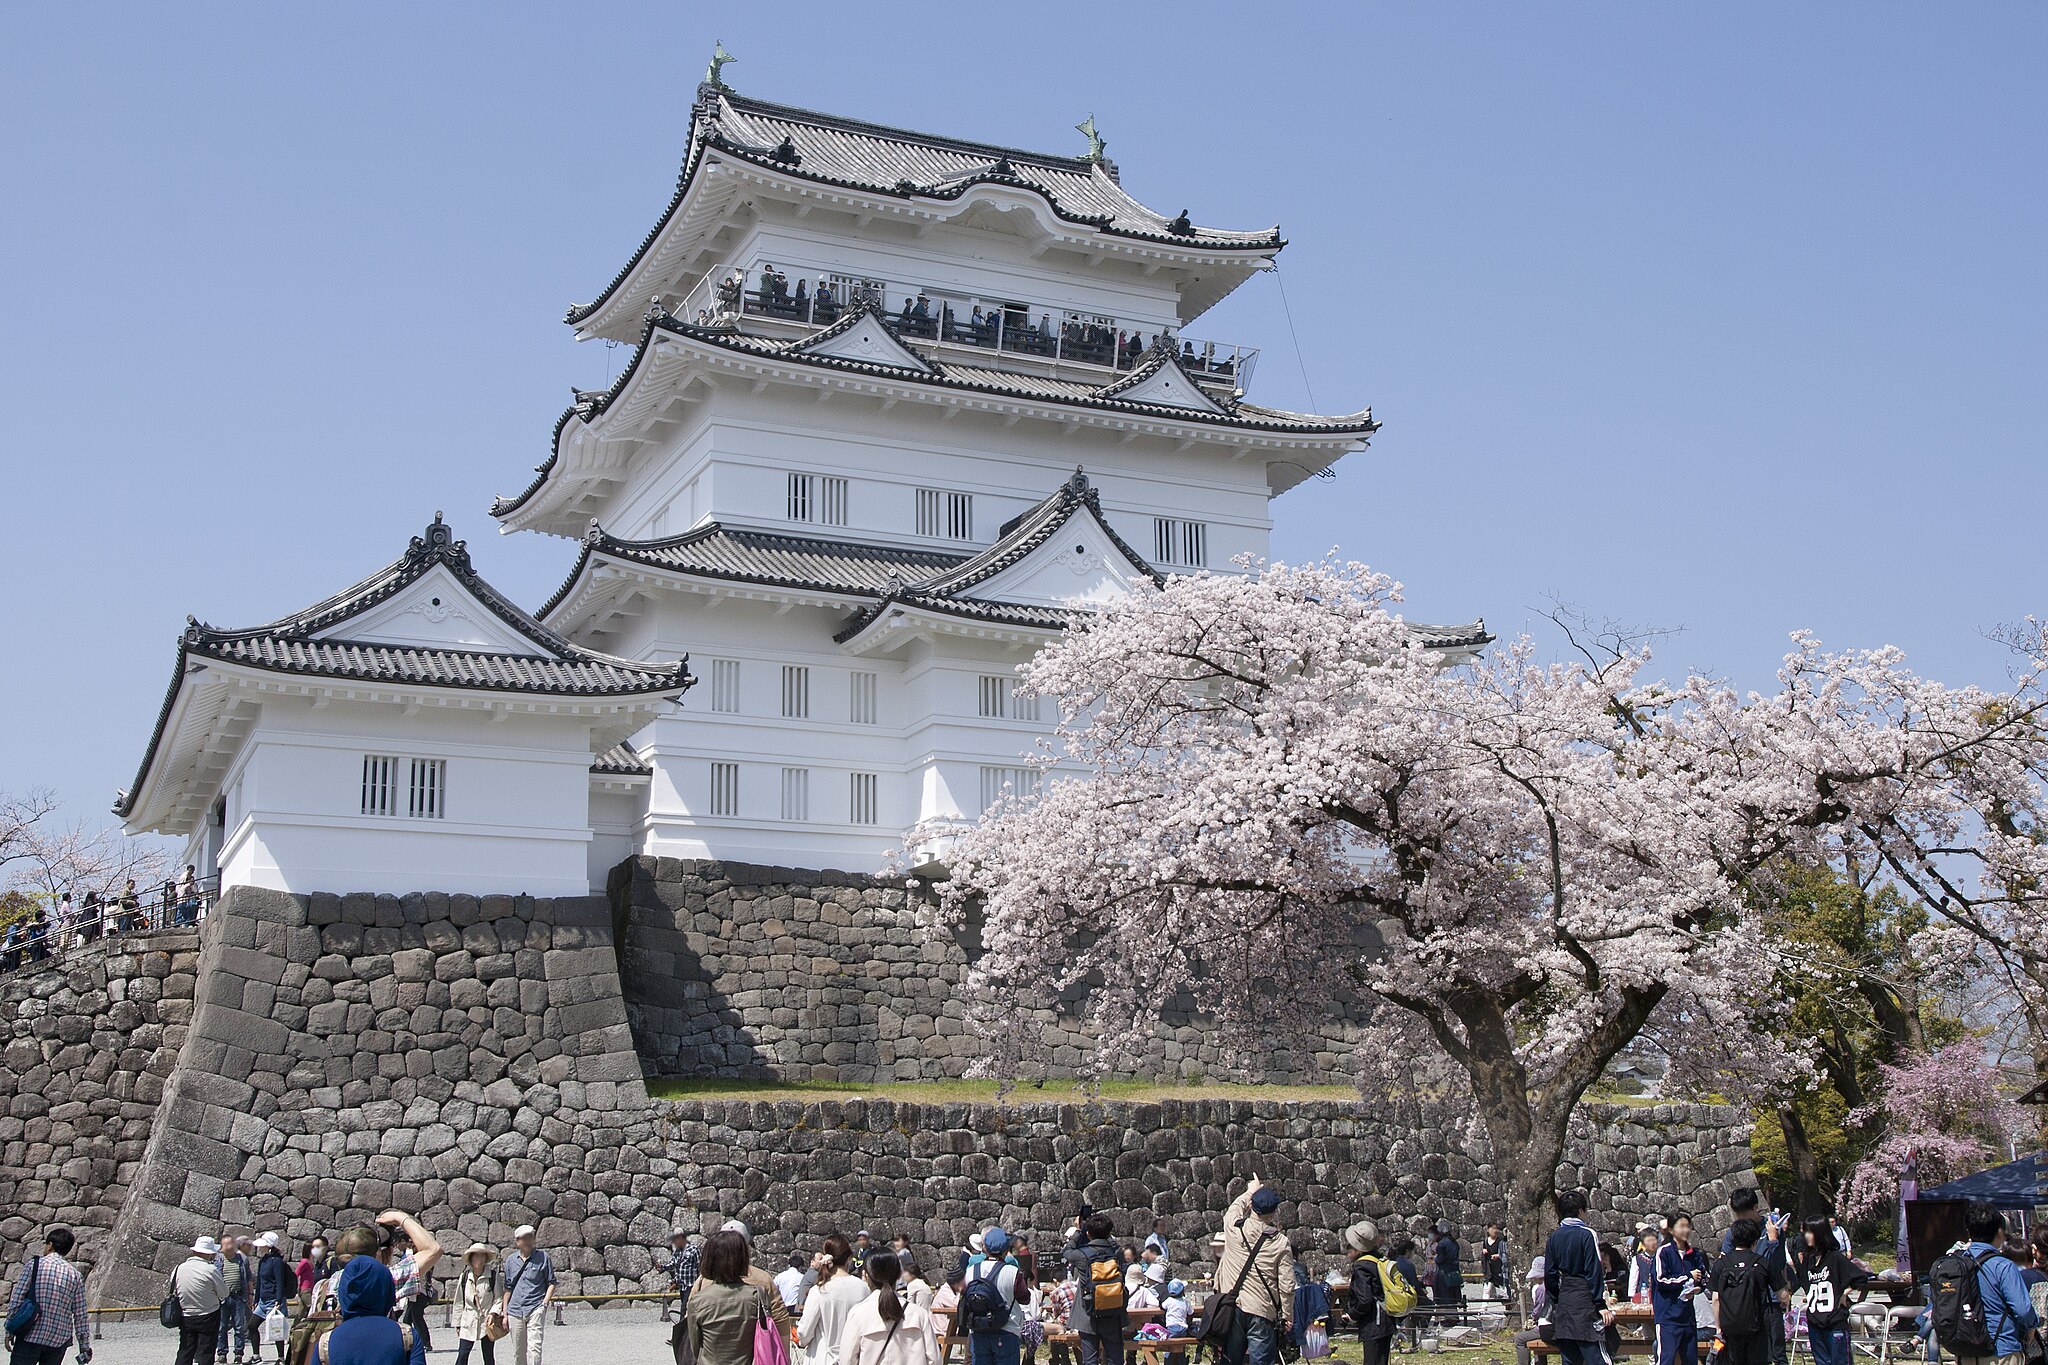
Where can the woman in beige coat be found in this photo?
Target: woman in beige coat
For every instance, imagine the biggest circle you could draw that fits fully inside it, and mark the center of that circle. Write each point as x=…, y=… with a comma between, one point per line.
x=476, y=1296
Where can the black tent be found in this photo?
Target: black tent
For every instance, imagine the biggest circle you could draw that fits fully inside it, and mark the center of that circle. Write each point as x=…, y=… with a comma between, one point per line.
x=2018, y=1184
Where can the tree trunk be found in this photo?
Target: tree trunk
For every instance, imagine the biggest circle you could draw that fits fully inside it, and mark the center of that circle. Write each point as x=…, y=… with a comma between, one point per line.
x=1811, y=1199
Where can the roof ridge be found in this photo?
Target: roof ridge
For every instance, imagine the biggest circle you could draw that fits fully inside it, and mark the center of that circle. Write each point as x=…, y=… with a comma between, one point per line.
x=868, y=128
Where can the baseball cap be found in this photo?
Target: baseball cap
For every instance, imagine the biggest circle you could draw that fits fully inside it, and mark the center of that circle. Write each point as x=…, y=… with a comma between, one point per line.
x=735, y=1225
x=995, y=1241
x=523, y=1230
x=1265, y=1199
x=1176, y=1287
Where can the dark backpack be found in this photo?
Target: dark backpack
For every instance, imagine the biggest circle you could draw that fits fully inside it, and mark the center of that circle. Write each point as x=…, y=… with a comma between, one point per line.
x=982, y=1306
x=1743, y=1286
x=1955, y=1302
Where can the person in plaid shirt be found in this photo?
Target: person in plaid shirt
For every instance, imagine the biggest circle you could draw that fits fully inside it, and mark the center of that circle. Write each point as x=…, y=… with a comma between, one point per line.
x=60, y=1301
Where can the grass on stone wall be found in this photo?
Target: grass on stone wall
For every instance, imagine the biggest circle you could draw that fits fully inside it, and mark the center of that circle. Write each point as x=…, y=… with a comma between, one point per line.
x=978, y=1092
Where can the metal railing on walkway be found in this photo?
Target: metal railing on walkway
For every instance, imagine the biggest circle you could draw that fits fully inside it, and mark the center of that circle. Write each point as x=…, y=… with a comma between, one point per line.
x=49, y=934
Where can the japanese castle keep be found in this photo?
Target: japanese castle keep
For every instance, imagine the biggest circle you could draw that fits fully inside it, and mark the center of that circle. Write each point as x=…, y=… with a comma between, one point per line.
x=900, y=408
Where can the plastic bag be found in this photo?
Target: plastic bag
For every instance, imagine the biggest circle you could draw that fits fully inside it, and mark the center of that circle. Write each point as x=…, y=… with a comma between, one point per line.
x=1315, y=1341
x=276, y=1327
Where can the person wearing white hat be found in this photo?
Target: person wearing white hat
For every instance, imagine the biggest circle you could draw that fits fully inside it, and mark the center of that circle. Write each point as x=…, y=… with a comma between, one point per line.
x=476, y=1296
x=529, y=1289
x=200, y=1290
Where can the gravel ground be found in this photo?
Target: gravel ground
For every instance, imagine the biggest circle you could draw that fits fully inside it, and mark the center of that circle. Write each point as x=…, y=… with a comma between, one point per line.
x=589, y=1336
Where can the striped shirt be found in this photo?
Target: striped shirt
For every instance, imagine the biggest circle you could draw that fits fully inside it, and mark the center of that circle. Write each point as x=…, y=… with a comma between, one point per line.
x=60, y=1297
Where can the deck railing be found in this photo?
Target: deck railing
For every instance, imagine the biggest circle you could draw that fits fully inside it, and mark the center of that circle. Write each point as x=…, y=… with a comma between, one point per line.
x=817, y=298
x=47, y=936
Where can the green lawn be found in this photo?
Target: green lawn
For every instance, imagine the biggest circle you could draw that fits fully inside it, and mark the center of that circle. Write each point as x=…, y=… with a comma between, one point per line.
x=978, y=1092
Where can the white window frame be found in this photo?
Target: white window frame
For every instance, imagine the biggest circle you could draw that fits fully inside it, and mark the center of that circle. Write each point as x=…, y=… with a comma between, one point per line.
x=421, y=793
x=427, y=789
x=861, y=697
x=803, y=497
x=944, y=514
x=796, y=692
x=831, y=500
x=725, y=686
x=996, y=698
x=380, y=784
x=1024, y=782
x=725, y=789
x=864, y=799
x=1180, y=542
x=796, y=794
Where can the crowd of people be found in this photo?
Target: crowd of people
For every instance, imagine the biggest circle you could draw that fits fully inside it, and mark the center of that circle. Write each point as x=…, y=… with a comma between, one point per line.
x=48, y=931
x=362, y=1298
x=999, y=326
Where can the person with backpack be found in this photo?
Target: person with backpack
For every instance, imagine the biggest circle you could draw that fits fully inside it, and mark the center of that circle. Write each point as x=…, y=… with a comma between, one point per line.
x=1097, y=1317
x=1678, y=1275
x=1258, y=1265
x=1745, y=1285
x=1377, y=1296
x=46, y=1312
x=367, y=1334
x=1819, y=1272
x=989, y=1298
x=1575, y=1285
x=1748, y=1203
x=1977, y=1296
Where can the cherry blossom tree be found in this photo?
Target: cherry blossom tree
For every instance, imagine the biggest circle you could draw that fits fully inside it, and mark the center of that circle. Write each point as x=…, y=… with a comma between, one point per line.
x=1284, y=797
x=1941, y=1110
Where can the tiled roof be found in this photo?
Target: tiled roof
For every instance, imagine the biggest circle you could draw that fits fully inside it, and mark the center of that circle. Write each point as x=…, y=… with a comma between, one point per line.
x=592, y=675
x=961, y=377
x=297, y=645
x=768, y=558
x=895, y=160
x=622, y=760
x=898, y=163
x=1025, y=533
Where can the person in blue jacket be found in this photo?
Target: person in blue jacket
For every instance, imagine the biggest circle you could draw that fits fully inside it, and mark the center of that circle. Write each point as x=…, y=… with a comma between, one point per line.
x=1678, y=1278
x=1575, y=1285
x=366, y=1335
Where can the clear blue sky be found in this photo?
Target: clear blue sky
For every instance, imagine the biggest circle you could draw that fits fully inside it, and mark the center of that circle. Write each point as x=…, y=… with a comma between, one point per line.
x=1729, y=318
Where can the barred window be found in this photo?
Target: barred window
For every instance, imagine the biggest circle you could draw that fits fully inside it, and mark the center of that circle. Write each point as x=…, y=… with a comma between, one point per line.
x=725, y=685
x=725, y=789
x=796, y=793
x=999, y=700
x=862, y=804
x=1182, y=544
x=422, y=796
x=796, y=692
x=997, y=782
x=860, y=709
x=945, y=515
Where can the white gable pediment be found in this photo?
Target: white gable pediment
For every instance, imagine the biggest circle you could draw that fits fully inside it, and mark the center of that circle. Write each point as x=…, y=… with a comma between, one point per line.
x=1168, y=386
x=867, y=340
x=1078, y=566
x=437, y=611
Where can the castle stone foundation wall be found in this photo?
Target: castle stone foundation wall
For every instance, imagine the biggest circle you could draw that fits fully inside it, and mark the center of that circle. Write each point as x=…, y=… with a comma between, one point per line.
x=86, y=1046
x=731, y=969
x=469, y=1059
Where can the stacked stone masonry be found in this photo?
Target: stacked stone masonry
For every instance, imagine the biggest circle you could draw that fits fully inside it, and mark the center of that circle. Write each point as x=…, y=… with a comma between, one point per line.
x=736, y=970
x=469, y=1059
x=89, y=1042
